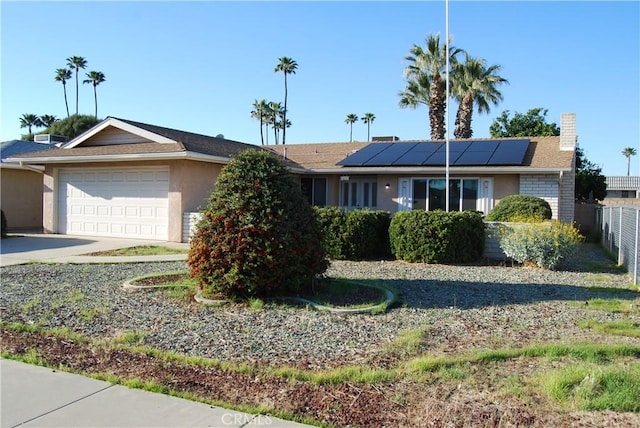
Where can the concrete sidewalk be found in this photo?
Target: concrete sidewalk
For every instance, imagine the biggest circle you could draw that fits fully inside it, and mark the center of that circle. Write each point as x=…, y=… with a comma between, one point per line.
x=33, y=396
x=51, y=248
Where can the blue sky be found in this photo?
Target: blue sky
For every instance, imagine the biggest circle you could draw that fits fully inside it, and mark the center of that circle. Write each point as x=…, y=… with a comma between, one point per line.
x=199, y=66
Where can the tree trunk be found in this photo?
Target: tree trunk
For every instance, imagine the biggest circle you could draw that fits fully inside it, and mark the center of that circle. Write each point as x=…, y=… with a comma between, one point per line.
x=437, y=108
x=463, y=119
x=284, y=114
x=95, y=99
x=66, y=103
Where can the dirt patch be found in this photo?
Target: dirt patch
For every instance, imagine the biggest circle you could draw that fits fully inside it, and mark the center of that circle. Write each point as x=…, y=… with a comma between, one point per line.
x=398, y=403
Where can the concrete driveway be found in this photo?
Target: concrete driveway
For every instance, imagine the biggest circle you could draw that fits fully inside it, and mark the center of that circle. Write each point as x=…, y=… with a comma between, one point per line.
x=50, y=248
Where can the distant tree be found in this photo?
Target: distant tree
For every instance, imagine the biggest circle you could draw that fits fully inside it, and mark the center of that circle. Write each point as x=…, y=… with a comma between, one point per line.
x=29, y=120
x=287, y=66
x=76, y=63
x=95, y=78
x=276, y=112
x=531, y=124
x=260, y=112
x=48, y=120
x=368, y=118
x=426, y=83
x=628, y=152
x=474, y=84
x=72, y=126
x=590, y=183
x=350, y=120
x=62, y=75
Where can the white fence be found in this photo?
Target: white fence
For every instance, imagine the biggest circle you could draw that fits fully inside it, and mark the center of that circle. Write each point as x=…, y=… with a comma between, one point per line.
x=619, y=226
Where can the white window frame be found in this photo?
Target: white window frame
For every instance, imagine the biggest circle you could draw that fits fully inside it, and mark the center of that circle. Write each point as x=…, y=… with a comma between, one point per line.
x=360, y=193
x=484, y=198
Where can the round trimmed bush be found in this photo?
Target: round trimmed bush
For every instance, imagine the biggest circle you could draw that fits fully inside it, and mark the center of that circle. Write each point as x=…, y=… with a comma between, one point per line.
x=258, y=235
x=522, y=208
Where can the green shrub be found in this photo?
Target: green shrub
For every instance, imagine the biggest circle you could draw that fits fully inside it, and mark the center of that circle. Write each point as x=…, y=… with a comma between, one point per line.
x=332, y=221
x=4, y=224
x=72, y=126
x=258, y=235
x=437, y=236
x=543, y=244
x=354, y=235
x=367, y=234
x=522, y=208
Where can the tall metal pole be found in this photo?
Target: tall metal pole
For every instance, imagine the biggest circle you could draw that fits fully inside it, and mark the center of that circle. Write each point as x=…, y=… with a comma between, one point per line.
x=446, y=44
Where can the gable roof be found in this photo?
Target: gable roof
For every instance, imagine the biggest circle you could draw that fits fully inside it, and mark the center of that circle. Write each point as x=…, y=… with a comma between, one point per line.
x=542, y=155
x=149, y=142
x=116, y=139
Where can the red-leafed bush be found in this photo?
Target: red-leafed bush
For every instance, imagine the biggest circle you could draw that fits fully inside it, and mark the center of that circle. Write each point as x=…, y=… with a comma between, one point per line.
x=258, y=236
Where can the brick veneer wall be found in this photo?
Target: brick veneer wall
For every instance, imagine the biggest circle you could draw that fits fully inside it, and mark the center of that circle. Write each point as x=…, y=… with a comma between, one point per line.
x=542, y=186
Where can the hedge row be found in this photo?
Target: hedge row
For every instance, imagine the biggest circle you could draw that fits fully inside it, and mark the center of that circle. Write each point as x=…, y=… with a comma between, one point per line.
x=354, y=235
x=437, y=236
x=414, y=236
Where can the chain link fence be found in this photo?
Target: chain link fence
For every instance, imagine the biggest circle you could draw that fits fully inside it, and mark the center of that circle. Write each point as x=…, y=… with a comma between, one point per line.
x=619, y=226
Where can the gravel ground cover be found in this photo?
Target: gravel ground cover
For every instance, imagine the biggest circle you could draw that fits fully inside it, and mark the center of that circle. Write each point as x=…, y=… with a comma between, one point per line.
x=464, y=307
x=459, y=309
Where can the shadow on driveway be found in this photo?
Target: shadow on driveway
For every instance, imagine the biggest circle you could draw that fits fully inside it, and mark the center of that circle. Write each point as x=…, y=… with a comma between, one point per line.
x=20, y=243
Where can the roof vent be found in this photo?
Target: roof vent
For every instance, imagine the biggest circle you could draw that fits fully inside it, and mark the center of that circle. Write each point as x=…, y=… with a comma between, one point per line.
x=219, y=136
x=49, y=139
x=389, y=138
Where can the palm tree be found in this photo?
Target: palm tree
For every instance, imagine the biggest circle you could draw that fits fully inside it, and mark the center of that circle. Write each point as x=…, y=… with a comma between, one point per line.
x=628, y=152
x=350, y=120
x=275, y=111
x=261, y=112
x=29, y=120
x=474, y=83
x=287, y=66
x=76, y=62
x=425, y=79
x=48, y=120
x=95, y=78
x=368, y=118
x=62, y=75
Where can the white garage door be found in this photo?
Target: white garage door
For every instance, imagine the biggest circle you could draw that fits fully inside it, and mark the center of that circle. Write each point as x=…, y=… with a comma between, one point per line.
x=125, y=203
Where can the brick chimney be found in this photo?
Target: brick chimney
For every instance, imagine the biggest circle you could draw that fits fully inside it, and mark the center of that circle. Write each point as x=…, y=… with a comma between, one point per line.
x=568, y=136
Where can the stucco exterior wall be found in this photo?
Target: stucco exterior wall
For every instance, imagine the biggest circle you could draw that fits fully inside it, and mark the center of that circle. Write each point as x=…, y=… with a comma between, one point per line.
x=505, y=185
x=190, y=184
x=195, y=180
x=21, y=198
x=388, y=198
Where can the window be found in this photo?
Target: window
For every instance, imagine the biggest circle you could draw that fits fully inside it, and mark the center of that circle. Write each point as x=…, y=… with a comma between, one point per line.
x=359, y=193
x=430, y=194
x=315, y=190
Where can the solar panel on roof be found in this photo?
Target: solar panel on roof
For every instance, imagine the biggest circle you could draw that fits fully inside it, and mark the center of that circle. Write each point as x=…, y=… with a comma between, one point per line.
x=364, y=154
x=418, y=154
x=473, y=158
x=458, y=146
x=440, y=157
x=389, y=155
x=483, y=146
x=461, y=153
x=510, y=152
